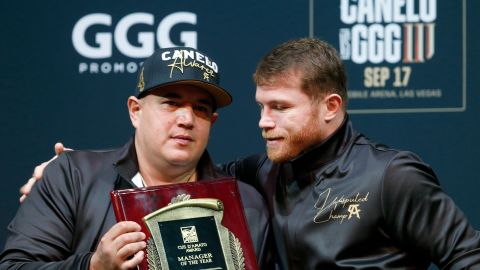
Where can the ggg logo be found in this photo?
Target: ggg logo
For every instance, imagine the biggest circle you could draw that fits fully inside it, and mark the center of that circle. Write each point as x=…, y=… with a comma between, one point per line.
x=146, y=40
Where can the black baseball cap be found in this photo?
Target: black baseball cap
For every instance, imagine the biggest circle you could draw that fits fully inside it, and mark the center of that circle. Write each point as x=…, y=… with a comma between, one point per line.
x=181, y=65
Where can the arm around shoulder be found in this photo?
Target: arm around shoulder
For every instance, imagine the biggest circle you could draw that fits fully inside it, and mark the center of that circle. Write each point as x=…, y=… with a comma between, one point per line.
x=244, y=169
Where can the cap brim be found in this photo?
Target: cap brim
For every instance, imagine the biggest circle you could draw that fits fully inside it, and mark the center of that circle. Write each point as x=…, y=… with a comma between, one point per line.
x=221, y=97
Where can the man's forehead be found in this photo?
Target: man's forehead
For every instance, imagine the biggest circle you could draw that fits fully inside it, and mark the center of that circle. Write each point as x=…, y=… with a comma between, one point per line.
x=287, y=92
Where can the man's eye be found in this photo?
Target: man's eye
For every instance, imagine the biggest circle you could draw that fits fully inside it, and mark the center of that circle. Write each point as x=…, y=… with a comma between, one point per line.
x=203, y=109
x=171, y=103
x=279, y=107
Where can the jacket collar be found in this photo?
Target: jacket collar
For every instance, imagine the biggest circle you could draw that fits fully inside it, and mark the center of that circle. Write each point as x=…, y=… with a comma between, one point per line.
x=127, y=166
x=321, y=154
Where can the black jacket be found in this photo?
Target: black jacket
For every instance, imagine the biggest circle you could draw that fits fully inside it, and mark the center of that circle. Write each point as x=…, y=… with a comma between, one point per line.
x=352, y=204
x=68, y=212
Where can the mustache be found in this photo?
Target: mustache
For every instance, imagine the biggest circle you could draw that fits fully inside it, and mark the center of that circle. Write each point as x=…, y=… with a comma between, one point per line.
x=271, y=134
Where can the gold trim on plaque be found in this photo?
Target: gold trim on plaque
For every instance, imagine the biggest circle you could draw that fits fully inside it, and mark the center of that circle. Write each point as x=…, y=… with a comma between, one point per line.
x=182, y=207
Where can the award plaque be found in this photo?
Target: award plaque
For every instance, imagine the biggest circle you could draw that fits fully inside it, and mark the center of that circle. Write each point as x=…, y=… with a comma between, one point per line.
x=198, y=225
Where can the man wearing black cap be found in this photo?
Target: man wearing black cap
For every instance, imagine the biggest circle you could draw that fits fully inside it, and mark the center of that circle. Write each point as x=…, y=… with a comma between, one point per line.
x=68, y=221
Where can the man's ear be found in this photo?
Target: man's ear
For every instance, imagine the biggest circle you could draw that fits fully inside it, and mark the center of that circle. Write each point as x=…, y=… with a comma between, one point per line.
x=214, y=118
x=134, y=109
x=333, y=106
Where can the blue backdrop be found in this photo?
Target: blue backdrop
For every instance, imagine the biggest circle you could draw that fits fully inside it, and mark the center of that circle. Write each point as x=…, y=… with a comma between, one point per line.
x=68, y=67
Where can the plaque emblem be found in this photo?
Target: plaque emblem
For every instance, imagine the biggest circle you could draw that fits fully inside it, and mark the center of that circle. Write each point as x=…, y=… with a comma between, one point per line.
x=188, y=234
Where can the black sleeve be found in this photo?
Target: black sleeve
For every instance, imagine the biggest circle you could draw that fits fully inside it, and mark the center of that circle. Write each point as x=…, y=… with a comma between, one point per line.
x=258, y=217
x=256, y=210
x=245, y=169
x=41, y=233
x=422, y=217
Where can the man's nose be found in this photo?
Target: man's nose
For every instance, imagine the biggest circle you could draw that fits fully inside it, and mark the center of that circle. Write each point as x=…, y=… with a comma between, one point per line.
x=266, y=121
x=185, y=116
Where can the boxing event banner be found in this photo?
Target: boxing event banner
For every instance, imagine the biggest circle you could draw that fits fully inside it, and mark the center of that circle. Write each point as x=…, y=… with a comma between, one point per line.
x=109, y=44
x=401, y=55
